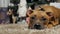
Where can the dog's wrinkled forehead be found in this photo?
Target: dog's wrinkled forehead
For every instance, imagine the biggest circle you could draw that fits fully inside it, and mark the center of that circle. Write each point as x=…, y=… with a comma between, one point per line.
x=38, y=13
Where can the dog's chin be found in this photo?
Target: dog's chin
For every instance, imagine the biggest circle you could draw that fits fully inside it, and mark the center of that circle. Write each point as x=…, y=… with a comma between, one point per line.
x=37, y=27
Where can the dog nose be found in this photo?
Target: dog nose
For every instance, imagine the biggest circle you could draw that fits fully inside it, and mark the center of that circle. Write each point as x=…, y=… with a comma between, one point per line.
x=37, y=26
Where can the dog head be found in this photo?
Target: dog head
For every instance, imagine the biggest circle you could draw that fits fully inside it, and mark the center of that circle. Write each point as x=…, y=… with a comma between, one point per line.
x=38, y=19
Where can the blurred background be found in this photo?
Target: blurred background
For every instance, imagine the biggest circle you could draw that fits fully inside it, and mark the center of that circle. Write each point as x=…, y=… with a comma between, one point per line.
x=16, y=6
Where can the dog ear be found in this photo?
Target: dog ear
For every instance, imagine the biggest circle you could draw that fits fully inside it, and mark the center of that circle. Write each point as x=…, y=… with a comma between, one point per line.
x=42, y=9
x=29, y=12
x=49, y=13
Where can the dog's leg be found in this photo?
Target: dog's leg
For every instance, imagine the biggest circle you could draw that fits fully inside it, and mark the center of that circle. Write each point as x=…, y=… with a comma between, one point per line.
x=14, y=19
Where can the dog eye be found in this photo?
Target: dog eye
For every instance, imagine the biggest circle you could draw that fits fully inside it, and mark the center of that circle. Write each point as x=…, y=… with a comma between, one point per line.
x=43, y=19
x=32, y=17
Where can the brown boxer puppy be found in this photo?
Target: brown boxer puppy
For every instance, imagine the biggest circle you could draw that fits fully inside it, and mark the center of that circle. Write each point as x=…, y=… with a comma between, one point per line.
x=46, y=17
